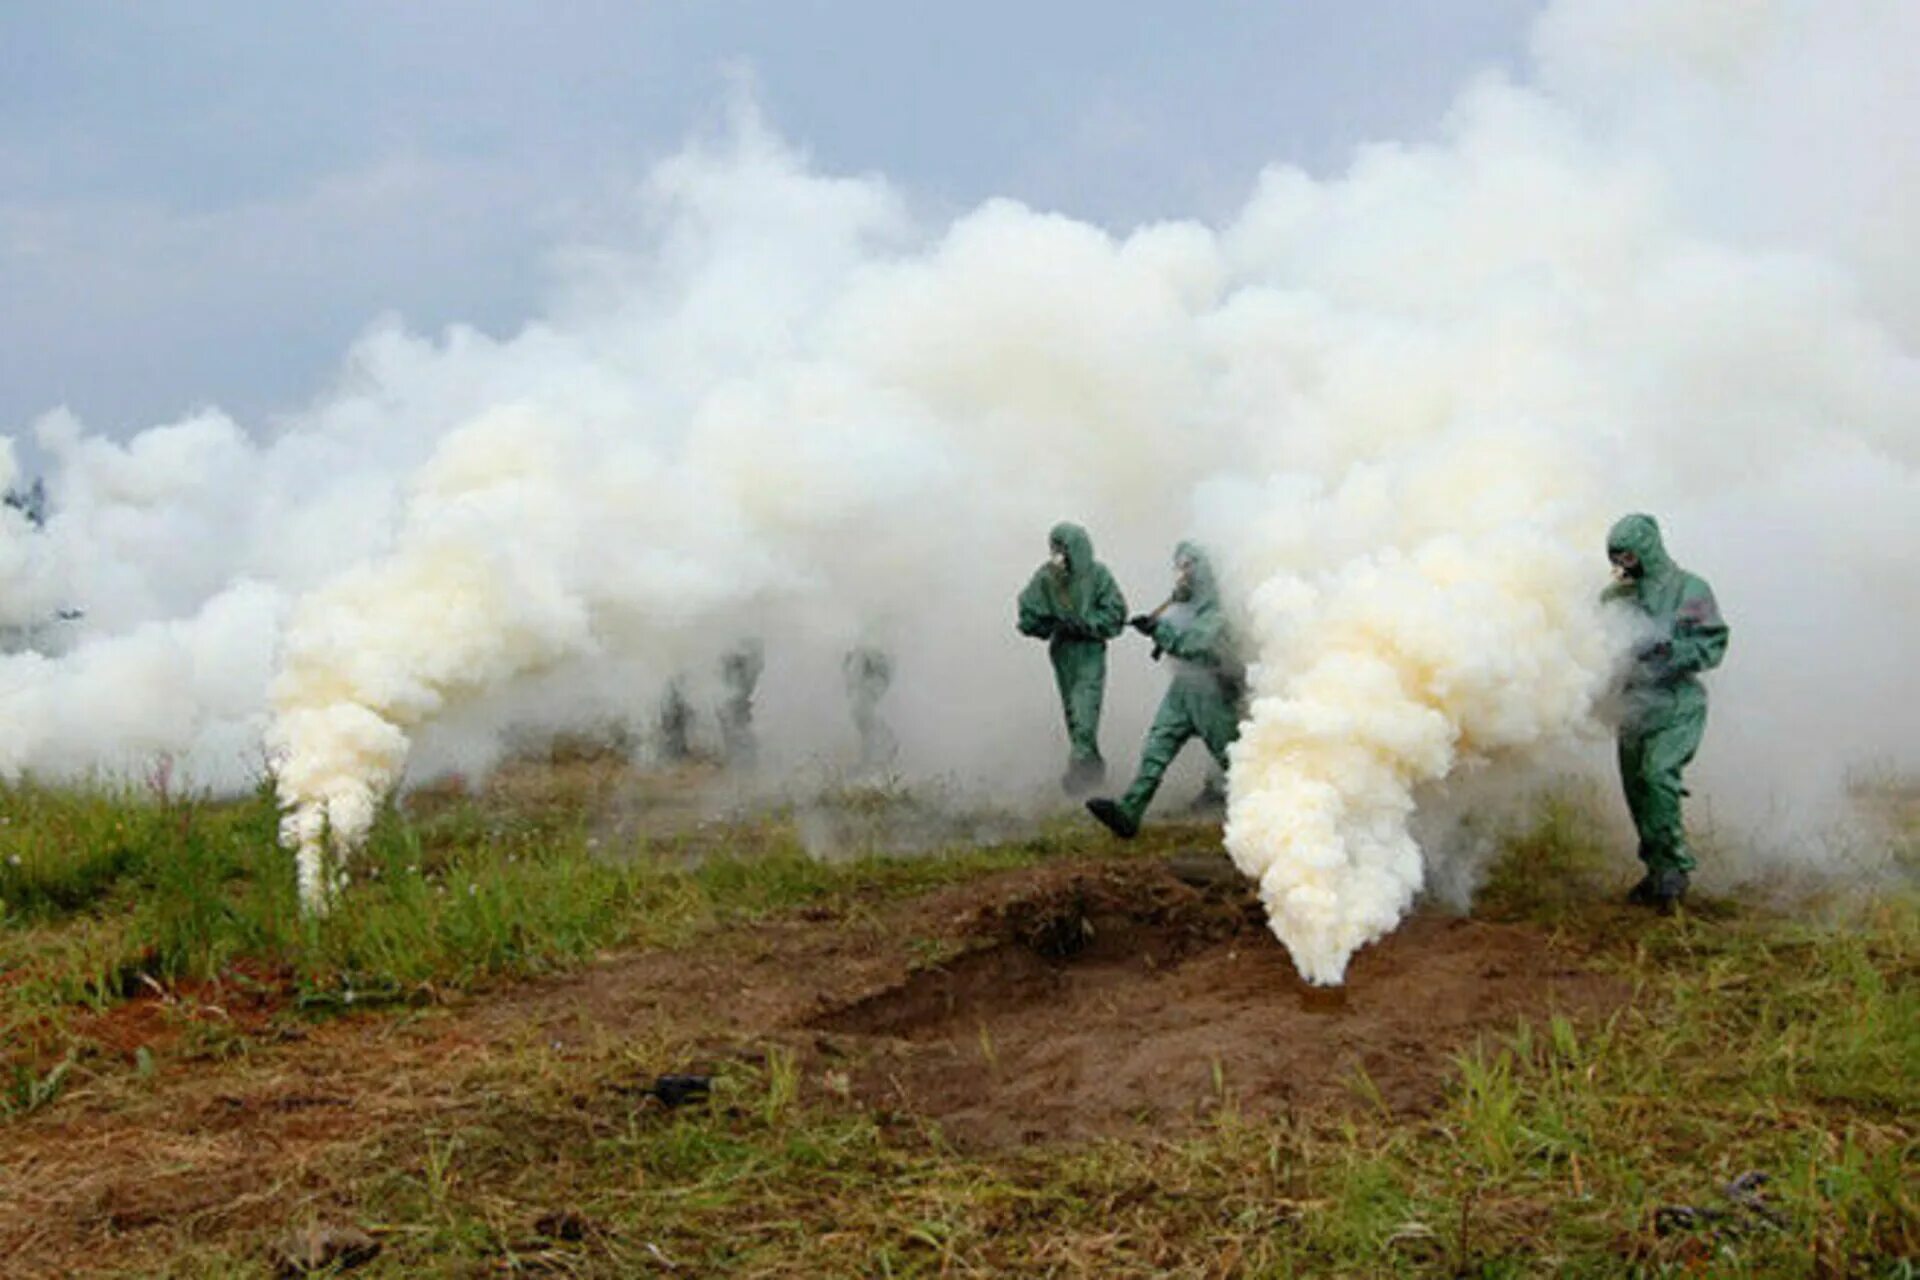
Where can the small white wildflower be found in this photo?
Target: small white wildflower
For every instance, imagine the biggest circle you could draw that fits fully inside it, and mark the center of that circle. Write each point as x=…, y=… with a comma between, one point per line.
x=472, y=890
x=14, y=859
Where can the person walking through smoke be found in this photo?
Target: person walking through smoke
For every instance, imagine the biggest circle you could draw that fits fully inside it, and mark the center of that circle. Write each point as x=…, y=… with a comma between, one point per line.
x=740, y=669
x=869, y=671
x=675, y=723
x=1074, y=604
x=1664, y=709
x=1202, y=699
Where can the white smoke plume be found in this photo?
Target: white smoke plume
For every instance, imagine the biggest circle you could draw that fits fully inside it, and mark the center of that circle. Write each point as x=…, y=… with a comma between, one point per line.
x=1467, y=631
x=1672, y=268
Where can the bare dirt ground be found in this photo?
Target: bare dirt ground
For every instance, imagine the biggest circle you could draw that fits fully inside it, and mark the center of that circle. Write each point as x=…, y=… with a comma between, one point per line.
x=1108, y=1003
x=1065, y=1002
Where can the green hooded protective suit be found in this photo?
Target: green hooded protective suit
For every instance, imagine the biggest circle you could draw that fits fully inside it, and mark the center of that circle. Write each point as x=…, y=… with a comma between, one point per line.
x=1203, y=698
x=1076, y=610
x=1665, y=705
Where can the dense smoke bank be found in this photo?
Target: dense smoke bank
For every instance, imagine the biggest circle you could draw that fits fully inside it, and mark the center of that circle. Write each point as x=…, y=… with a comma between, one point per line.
x=1674, y=270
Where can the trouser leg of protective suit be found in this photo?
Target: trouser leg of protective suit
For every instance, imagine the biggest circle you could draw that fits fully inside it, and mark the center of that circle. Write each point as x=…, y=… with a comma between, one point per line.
x=1080, y=671
x=1651, y=762
x=877, y=744
x=1172, y=726
x=1218, y=725
x=736, y=732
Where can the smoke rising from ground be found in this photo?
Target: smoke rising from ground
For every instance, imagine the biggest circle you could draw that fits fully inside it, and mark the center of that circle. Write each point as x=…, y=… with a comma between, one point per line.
x=1674, y=270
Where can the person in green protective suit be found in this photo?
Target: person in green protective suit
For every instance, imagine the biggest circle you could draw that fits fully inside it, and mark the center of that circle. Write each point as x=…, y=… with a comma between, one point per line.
x=1074, y=604
x=1664, y=705
x=1202, y=700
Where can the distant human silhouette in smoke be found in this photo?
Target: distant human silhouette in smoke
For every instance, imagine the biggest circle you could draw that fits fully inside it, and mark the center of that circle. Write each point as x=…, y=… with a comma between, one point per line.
x=674, y=724
x=869, y=673
x=740, y=668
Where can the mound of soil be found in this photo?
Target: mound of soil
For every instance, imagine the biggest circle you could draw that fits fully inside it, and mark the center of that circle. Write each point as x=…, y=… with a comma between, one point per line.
x=1122, y=999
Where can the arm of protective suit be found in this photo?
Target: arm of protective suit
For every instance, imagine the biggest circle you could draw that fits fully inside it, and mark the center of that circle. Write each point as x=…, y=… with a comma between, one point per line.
x=1108, y=616
x=1199, y=640
x=1699, y=633
x=1037, y=616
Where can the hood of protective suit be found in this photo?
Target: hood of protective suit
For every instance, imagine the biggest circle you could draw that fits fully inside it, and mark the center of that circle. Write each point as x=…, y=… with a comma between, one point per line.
x=1640, y=534
x=1074, y=541
x=1081, y=583
x=1659, y=575
x=1203, y=587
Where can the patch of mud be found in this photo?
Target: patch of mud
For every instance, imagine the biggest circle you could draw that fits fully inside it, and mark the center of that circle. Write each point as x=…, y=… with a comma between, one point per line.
x=1116, y=1003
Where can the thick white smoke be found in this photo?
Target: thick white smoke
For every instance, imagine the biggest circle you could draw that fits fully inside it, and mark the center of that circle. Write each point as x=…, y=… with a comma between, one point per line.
x=1466, y=630
x=1673, y=270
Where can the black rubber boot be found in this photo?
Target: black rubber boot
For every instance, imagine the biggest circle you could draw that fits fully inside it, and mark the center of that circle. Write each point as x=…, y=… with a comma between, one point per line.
x=1641, y=895
x=1210, y=803
x=1113, y=818
x=1669, y=891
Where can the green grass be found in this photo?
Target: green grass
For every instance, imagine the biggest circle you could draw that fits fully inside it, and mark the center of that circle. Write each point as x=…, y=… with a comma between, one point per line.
x=1760, y=1045
x=1784, y=1041
x=1554, y=1155
x=106, y=893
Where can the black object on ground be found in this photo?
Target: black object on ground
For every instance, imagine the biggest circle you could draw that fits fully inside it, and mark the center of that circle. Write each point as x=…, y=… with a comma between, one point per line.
x=565, y=1225
x=679, y=1090
x=1750, y=1209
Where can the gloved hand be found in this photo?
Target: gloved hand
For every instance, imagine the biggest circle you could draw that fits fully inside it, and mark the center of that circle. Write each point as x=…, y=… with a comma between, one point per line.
x=1073, y=629
x=1143, y=623
x=1653, y=663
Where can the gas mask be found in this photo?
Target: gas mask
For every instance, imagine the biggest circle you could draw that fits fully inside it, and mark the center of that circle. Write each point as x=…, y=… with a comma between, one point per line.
x=1183, y=580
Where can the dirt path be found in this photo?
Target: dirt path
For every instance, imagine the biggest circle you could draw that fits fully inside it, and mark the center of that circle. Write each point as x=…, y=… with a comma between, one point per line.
x=1057, y=1003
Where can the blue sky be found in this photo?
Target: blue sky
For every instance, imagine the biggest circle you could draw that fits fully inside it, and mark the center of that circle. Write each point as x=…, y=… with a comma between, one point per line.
x=203, y=202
